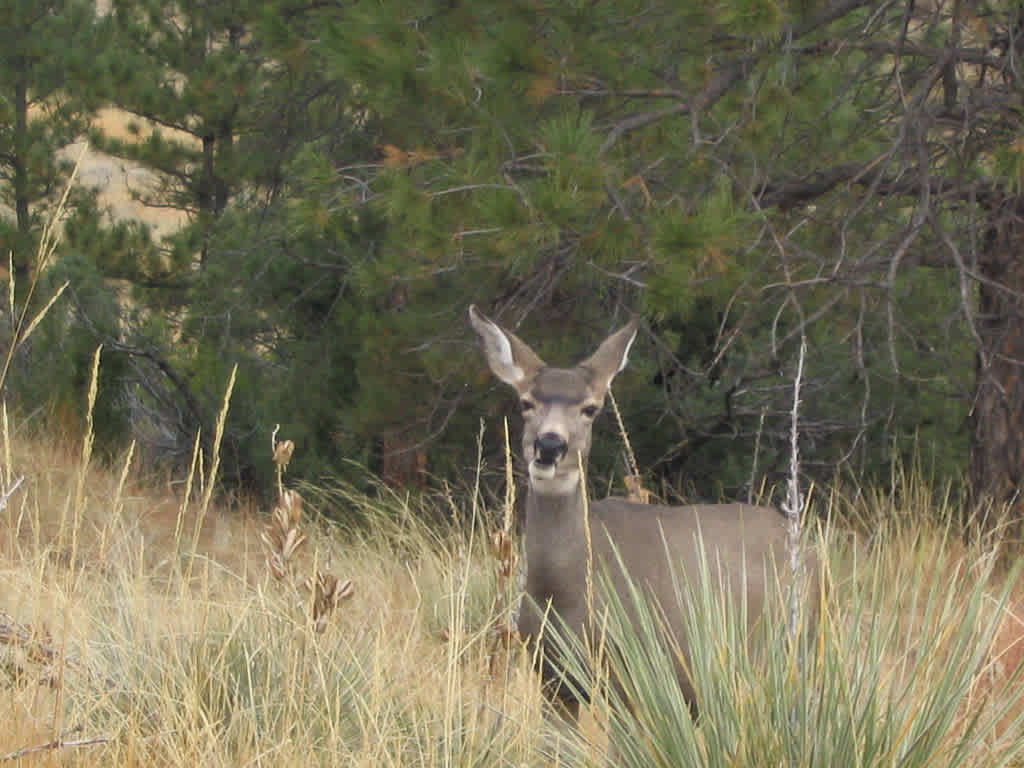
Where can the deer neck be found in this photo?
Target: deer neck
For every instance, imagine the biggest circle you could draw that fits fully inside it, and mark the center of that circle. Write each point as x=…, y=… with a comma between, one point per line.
x=556, y=548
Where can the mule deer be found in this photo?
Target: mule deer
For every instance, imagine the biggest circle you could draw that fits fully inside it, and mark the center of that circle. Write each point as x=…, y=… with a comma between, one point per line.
x=559, y=405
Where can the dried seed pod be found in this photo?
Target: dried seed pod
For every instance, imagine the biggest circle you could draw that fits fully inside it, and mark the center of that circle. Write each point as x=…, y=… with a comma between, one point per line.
x=328, y=591
x=502, y=545
x=283, y=453
x=291, y=506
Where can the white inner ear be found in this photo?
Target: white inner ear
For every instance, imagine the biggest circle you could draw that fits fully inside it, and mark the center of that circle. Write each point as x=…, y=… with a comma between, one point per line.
x=499, y=351
x=624, y=361
x=625, y=352
x=511, y=372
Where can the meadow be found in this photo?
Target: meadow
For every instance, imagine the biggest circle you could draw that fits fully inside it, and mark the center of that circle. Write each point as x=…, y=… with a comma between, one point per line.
x=146, y=622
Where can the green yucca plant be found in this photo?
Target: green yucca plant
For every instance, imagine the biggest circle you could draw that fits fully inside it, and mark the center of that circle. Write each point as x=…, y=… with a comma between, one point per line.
x=893, y=674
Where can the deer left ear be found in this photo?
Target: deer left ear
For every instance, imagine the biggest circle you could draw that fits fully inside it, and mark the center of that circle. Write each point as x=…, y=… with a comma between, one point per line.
x=612, y=356
x=509, y=357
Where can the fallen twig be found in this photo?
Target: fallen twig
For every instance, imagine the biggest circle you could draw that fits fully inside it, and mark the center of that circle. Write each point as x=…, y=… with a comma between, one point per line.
x=58, y=743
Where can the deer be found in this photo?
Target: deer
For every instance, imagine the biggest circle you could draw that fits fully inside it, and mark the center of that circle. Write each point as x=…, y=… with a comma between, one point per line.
x=743, y=543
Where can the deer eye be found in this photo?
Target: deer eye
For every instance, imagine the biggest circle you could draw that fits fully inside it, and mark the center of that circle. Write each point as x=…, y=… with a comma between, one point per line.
x=590, y=411
x=525, y=405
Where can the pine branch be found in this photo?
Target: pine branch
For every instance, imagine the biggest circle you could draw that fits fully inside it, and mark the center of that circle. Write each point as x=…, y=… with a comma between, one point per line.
x=729, y=75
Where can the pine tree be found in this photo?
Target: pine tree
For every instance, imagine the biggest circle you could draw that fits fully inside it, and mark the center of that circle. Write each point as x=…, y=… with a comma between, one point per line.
x=746, y=174
x=565, y=166
x=189, y=71
x=48, y=53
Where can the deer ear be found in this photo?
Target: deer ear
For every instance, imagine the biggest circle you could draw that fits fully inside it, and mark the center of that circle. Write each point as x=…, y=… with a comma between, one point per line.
x=510, y=358
x=612, y=356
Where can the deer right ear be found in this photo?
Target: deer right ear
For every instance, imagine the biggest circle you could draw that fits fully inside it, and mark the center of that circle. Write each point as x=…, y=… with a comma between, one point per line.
x=610, y=358
x=510, y=358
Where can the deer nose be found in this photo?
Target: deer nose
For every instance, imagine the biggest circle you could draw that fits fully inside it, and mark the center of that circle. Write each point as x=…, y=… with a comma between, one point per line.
x=549, y=448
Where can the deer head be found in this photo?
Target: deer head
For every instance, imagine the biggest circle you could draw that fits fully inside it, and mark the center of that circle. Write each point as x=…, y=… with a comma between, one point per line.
x=559, y=405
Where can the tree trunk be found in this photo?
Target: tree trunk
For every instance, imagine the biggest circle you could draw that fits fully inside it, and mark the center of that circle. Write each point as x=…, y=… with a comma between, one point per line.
x=225, y=150
x=206, y=196
x=997, y=415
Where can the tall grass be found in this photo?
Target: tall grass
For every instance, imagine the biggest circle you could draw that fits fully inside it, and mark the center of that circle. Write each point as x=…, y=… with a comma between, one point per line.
x=201, y=654
x=123, y=657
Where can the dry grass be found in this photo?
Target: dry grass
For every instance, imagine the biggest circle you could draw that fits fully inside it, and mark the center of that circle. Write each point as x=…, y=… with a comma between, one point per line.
x=908, y=543
x=149, y=626
x=134, y=642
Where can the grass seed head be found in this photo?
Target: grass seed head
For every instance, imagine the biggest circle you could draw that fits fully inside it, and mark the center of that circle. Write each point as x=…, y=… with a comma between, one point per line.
x=503, y=547
x=328, y=592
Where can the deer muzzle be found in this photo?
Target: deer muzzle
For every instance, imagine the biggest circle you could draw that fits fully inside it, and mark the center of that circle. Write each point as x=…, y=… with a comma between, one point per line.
x=549, y=448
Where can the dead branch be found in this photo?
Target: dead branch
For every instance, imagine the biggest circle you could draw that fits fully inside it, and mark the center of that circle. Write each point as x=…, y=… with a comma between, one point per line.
x=58, y=743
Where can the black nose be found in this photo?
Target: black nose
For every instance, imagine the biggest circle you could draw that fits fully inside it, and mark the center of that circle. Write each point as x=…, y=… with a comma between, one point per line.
x=549, y=448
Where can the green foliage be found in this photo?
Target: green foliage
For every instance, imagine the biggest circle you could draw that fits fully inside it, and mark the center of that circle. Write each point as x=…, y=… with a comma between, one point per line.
x=1008, y=165
x=59, y=358
x=50, y=53
x=354, y=176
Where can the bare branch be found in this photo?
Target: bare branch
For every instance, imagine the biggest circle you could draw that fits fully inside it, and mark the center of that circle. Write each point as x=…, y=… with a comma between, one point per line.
x=58, y=743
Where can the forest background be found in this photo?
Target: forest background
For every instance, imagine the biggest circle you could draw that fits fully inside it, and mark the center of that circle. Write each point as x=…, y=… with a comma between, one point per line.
x=345, y=178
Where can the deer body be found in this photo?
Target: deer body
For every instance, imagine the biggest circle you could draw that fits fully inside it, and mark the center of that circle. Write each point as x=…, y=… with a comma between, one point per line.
x=738, y=538
x=651, y=541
